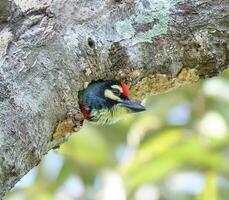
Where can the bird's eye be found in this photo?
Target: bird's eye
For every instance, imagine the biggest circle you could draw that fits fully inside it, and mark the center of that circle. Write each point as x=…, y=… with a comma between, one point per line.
x=116, y=92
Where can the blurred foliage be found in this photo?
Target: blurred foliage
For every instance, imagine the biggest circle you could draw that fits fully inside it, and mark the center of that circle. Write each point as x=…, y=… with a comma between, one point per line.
x=177, y=150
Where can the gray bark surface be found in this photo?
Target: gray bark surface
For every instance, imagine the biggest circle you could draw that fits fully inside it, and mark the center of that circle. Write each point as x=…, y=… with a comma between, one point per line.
x=50, y=49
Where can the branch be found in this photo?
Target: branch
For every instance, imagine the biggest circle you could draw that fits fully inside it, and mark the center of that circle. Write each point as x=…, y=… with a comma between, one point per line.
x=4, y=10
x=49, y=51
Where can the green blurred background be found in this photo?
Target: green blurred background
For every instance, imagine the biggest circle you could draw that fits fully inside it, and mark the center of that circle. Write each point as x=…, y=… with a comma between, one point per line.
x=177, y=150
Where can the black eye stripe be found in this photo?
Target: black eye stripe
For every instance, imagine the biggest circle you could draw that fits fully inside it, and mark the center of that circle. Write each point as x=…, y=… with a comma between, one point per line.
x=116, y=92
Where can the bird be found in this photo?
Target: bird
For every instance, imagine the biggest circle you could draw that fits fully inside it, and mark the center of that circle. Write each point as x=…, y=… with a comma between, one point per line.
x=106, y=102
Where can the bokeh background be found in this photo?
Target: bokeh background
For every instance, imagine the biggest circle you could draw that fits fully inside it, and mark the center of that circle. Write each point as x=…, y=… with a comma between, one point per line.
x=177, y=150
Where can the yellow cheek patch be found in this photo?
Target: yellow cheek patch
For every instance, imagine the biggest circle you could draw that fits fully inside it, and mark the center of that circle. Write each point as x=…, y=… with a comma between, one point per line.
x=118, y=87
x=109, y=94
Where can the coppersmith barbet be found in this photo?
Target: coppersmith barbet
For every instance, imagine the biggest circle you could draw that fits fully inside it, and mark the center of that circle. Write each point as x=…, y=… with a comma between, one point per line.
x=107, y=101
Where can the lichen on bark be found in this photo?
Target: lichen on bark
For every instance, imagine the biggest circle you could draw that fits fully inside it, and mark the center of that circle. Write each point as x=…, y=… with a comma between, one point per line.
x=50, y=49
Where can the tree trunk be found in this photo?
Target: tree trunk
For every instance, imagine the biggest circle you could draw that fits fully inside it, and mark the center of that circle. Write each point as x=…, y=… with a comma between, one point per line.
x=50, y=49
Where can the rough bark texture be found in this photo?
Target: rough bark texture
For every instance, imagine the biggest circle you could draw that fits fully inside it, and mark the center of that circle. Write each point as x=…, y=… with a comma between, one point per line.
x=49, y=49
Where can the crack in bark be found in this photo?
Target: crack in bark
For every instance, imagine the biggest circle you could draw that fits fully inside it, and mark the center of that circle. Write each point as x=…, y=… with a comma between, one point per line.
x=48, y=58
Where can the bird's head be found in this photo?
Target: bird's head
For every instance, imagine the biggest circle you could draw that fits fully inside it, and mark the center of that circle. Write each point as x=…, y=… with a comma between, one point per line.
x=106, y=102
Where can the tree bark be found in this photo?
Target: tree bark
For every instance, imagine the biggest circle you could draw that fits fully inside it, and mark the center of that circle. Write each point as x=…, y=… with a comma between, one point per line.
x=50, y=49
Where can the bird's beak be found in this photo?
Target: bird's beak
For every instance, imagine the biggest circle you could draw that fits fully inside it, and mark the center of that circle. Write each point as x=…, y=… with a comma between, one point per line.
x=132, y=105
